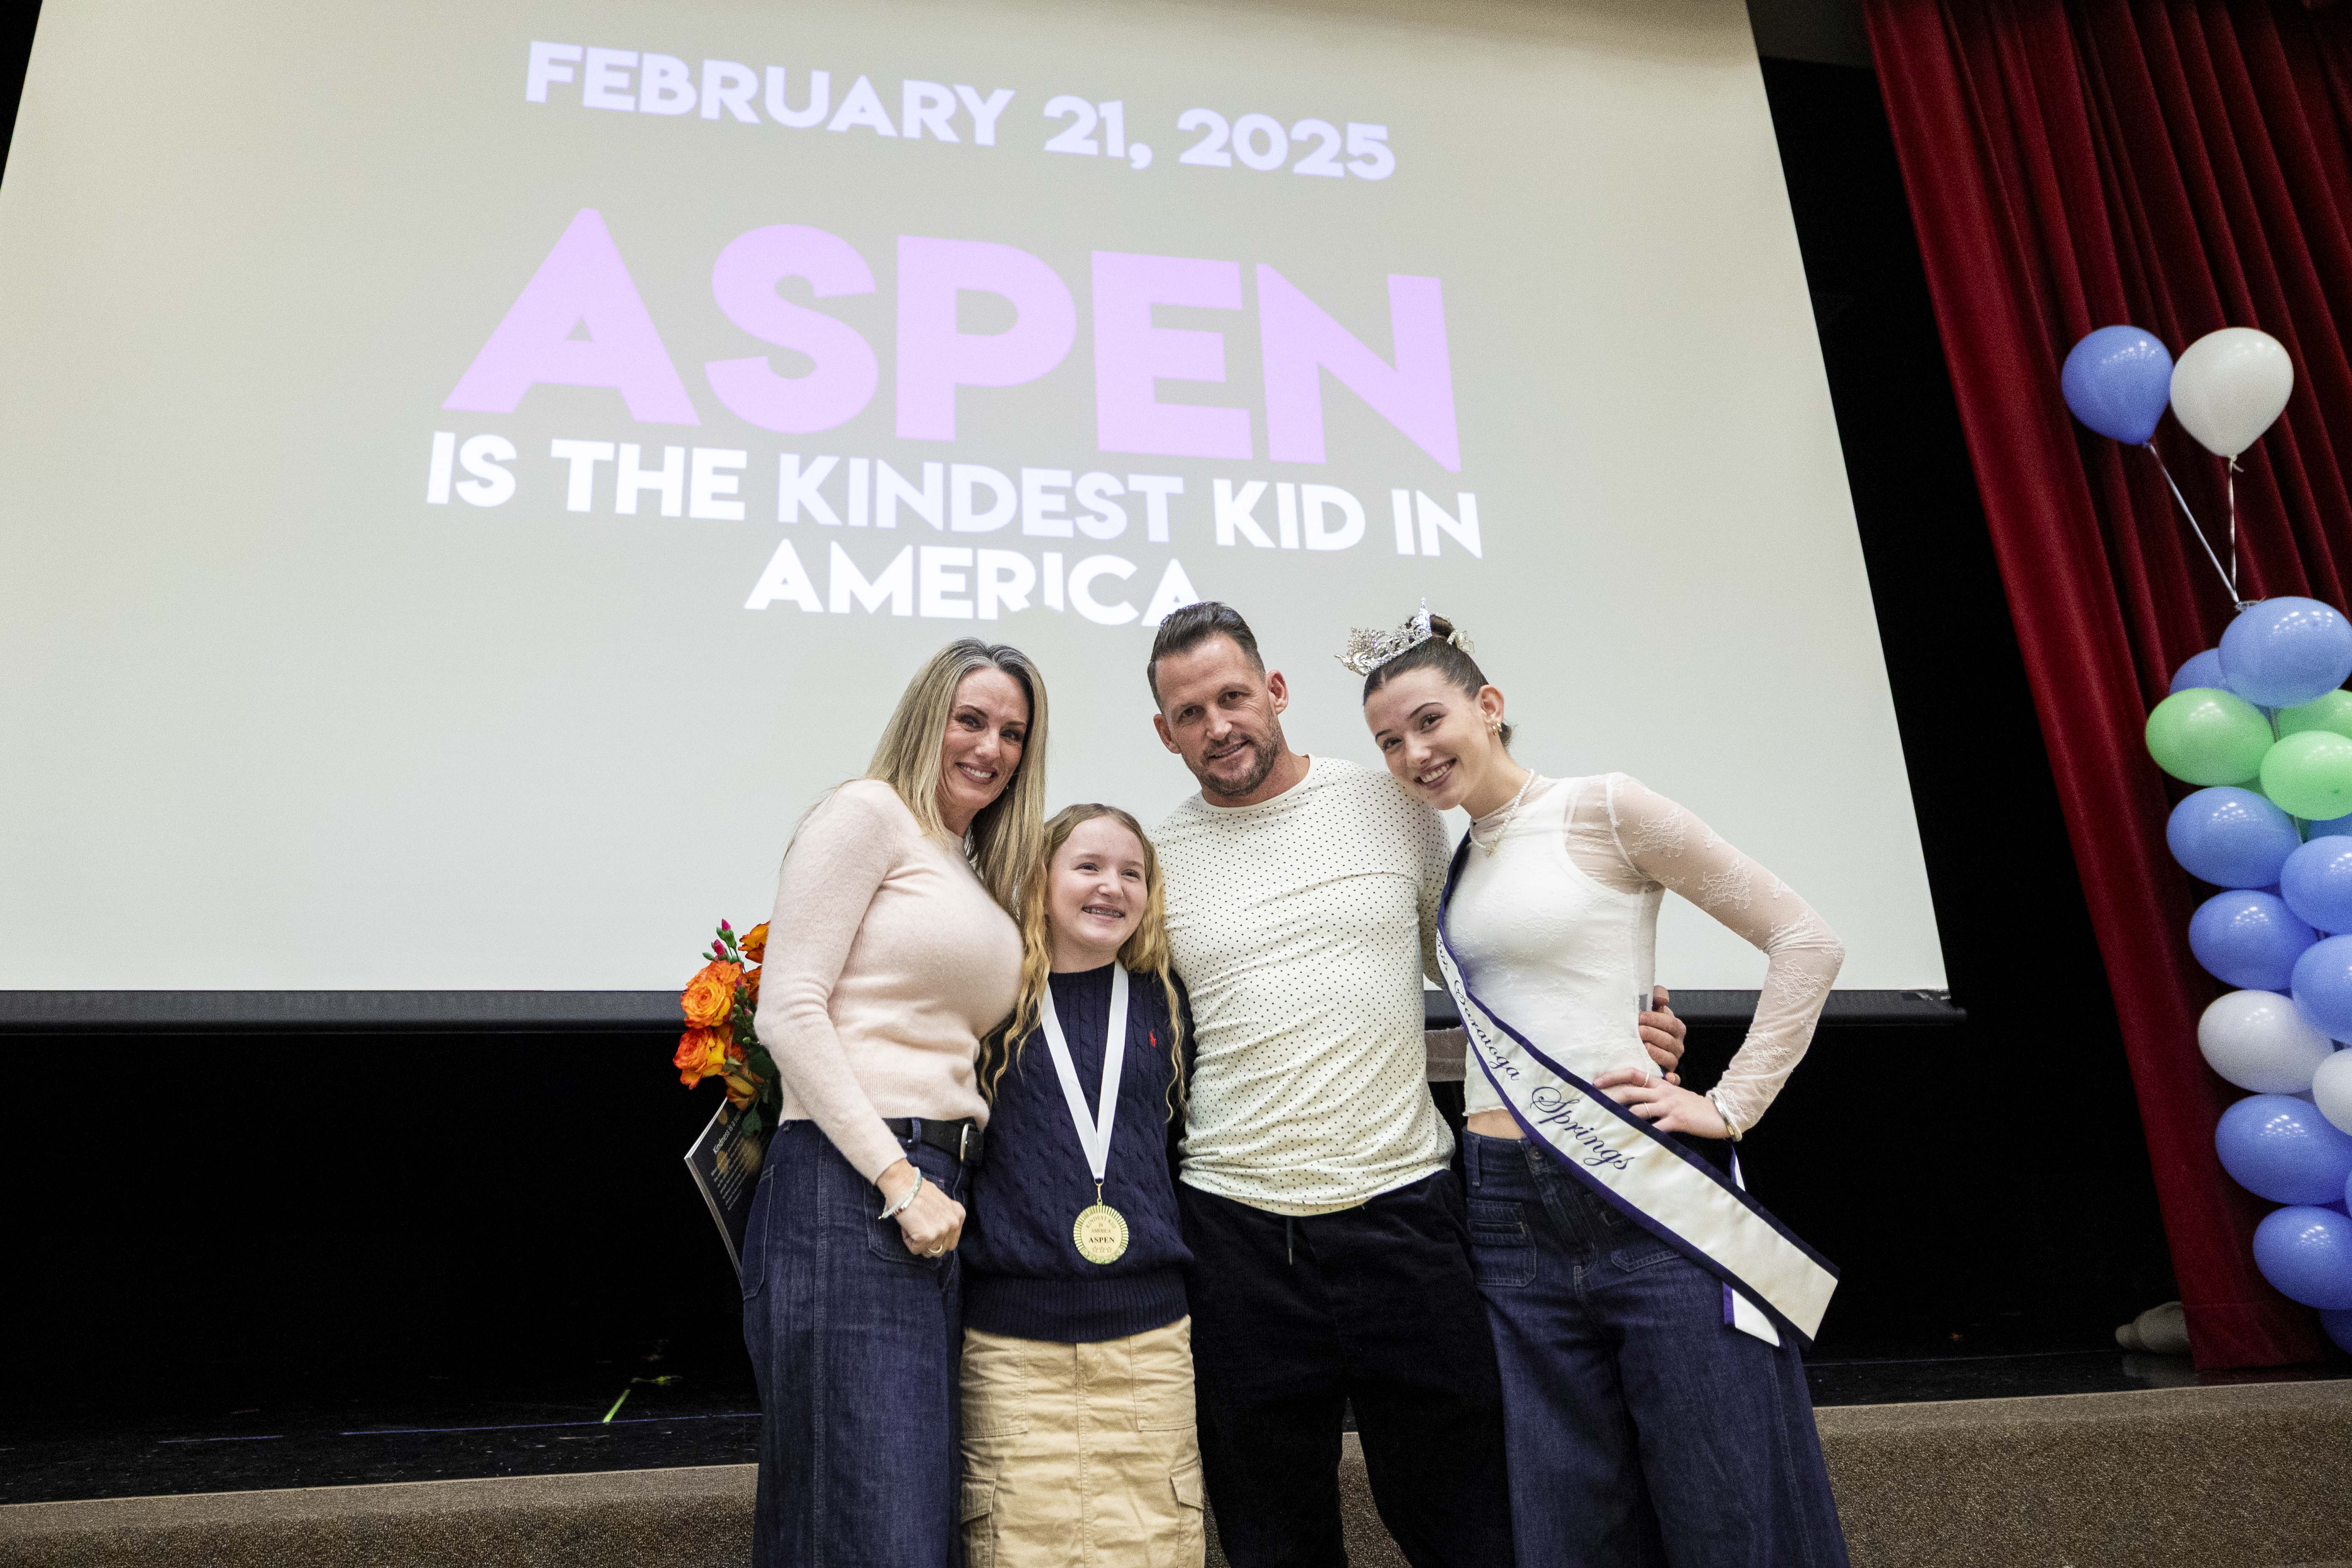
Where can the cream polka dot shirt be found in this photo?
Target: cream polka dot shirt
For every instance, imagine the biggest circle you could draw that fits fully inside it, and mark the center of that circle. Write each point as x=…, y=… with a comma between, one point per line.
x=1302, y=926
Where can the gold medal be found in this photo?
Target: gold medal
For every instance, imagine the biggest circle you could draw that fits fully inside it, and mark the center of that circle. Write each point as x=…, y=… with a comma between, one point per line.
x=1100, y=1232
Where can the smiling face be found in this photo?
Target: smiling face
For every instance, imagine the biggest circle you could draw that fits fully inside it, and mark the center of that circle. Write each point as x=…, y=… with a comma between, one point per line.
x=1096, y=892
x=1437, y=738
x=987, y=728
x=1222, y=714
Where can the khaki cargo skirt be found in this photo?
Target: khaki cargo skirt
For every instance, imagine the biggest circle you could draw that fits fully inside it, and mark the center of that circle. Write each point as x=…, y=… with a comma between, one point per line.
x=1075, y=1455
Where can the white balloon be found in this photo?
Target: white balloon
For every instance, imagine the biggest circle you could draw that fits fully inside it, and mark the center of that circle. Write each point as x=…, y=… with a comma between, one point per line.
x=2228, y=387
x=2331, y=1090
x=2257, y=1040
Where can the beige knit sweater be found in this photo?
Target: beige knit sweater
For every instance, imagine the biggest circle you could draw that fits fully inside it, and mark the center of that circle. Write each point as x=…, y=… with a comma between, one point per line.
x=887, y=960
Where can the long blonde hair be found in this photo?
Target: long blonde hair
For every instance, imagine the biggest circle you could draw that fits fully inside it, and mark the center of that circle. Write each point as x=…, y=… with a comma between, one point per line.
x=1145, y=952
x=1004, y=839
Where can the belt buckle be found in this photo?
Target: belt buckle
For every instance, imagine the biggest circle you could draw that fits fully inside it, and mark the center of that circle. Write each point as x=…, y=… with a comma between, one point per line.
x=964, y=1142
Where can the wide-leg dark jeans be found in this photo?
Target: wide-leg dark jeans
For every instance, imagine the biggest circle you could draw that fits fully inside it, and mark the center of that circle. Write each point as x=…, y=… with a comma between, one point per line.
x=1294, y=1318
x=1645, y=1430
x=854, y=1340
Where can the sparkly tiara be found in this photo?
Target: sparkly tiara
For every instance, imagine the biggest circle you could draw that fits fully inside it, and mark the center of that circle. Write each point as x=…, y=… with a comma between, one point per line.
x=1368, y=650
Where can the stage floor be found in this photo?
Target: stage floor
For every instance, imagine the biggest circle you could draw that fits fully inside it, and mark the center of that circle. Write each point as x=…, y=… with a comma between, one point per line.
x=449, y=1436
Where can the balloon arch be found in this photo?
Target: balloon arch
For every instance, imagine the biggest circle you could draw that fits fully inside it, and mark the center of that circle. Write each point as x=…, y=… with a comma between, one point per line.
x=2263, y=726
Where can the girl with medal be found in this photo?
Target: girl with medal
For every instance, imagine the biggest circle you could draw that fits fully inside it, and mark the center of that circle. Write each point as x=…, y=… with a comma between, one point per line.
x=1078, y=1443
x=1646, y=1312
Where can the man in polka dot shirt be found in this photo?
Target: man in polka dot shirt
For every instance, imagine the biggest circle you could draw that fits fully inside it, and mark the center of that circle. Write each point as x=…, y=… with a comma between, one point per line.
x=1318, y=1199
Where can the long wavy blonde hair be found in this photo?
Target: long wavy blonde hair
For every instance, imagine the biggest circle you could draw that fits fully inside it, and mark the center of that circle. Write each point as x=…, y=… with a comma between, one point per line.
x=1144, y=952
x=1005, y=836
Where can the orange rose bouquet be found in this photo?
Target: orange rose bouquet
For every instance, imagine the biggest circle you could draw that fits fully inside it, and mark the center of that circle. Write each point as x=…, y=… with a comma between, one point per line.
x=719, y=1041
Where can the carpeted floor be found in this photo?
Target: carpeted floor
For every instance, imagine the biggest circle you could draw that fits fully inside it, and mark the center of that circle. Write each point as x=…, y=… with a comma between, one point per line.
x=2253, y=1476
x=614, y=1519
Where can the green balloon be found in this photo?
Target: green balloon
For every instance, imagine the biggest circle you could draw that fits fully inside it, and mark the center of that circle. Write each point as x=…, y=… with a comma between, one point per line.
x=2333, y=711
x=2208, y=736
x=2310, y=774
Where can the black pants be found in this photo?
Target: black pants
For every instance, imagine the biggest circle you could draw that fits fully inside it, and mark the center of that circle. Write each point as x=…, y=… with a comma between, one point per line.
x=1294, y=1318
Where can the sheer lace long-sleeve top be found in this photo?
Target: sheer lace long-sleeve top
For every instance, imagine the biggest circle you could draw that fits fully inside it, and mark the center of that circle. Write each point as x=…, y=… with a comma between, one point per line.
x=1561, y=950
x=887, y=962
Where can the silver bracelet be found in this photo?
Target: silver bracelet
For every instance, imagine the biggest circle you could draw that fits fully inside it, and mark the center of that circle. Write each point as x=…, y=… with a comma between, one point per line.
x=1729, y=1126
x=903, y=1202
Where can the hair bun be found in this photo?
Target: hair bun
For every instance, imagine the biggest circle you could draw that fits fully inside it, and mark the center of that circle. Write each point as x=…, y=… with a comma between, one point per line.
x=1440, y=627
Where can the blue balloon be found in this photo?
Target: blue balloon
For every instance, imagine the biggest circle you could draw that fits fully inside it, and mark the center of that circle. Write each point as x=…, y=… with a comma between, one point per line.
x=2232, y=838
x=2306, y=1252
x=2117, y=381
x=2322, y=983
x=2278, y=1146
x=2316, y=883
x=2250, y=938
x=2338, y=1325
x=2202, y=670
x=2282, y=653
x=2333, y=828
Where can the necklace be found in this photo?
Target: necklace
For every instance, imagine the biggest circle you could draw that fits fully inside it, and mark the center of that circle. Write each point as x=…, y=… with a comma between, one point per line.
x=1503, y=826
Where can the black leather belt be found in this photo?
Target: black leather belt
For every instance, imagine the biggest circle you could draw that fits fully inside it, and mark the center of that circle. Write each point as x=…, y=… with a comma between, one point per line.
x=961, y=1137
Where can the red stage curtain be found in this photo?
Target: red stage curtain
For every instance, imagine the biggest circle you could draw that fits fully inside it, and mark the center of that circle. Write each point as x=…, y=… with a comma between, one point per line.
x=2181, y=167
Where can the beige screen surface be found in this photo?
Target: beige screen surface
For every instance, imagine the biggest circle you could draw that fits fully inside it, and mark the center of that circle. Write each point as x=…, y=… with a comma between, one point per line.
x=472, y=474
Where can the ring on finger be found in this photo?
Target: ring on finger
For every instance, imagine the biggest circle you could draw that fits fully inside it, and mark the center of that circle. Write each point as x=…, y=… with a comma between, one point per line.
x=935, y=1251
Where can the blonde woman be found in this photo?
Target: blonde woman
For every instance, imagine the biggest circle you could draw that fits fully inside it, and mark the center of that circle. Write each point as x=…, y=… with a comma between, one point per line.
x=891, y=950
x=1077, y=1366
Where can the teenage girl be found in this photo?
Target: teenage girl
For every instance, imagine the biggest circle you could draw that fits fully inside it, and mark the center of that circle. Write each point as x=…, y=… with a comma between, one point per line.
x=1651, y=1420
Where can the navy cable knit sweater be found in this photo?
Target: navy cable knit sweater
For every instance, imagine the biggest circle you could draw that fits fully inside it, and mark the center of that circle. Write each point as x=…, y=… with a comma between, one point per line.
x=1021, y=1272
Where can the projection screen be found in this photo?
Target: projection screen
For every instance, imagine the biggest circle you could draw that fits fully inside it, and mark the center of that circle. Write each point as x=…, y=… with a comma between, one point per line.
x=474, y=474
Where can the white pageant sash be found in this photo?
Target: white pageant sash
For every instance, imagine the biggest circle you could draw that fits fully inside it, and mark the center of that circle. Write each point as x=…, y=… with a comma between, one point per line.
x=1639, y=1171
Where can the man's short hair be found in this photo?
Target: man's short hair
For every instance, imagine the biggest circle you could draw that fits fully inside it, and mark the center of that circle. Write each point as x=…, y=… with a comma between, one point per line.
x=1187, y=628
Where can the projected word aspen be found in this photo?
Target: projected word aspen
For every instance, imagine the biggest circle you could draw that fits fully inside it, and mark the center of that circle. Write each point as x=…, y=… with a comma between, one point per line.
x=581, y=321
x=1260, y=141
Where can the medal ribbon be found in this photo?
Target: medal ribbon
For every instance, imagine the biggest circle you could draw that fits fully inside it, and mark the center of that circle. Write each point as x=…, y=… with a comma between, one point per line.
x=1641, y=1173
x=1094, y=1135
